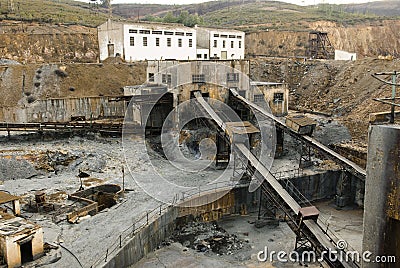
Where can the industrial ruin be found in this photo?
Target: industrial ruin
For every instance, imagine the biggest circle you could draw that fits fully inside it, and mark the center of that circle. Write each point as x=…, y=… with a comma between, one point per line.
x=179, y=147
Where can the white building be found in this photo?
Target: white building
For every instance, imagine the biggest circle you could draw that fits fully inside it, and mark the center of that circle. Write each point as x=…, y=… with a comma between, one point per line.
x=221, y=44
x=344, y=55
x=160, y=41
x=146, y=41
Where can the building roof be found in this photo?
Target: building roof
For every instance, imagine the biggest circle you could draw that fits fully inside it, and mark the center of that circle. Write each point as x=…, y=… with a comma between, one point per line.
x=219, y=29
x=6, y=197
x=11, y=225
x=154, y=25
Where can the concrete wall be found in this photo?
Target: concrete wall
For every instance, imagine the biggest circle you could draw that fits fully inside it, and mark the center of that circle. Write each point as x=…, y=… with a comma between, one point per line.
x=215, y=74
x=149, y=238
x=344, y=55
x=318, y=186
x=112, y=33
x=278, y=108
x=203, y=38
x=145, y=241
x=202, y=54
x=163, y=51
x=61, y=110
x=237, y=52
x=235, y=201
x=121, y=34
x=382, y=196
x=22, y=85
x=211, y=206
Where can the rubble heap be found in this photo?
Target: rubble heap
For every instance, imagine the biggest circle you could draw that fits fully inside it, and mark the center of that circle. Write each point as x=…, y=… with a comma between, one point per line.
x=209, y=237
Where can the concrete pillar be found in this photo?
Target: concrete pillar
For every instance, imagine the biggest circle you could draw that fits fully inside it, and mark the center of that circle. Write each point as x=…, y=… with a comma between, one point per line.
x=16, y=208
x=382, y=194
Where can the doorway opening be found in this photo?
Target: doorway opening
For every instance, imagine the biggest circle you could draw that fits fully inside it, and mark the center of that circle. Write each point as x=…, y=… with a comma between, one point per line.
x=26, y=251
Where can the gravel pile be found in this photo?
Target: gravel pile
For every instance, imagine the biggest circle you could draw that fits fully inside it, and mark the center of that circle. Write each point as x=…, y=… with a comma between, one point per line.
x=16, y=169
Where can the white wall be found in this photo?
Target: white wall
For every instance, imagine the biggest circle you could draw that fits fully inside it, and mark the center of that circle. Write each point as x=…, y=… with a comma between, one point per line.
x=202, y=52
x=110, y=32
x=344, y=55
x=119, y=35
x=163, y=51
x=232, y=36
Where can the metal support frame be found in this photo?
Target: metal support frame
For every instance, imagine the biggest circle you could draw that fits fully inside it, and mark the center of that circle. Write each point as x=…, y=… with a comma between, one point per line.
x=266, y=207
x=302, y=243
x=305, y=156
x=392, y=100
x=319, y=46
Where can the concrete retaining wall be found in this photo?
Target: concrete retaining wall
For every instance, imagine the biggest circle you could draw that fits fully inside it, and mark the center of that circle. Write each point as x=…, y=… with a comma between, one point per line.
x=213, y=206
x=62, y=110
x=318, y=186
x=146, y=240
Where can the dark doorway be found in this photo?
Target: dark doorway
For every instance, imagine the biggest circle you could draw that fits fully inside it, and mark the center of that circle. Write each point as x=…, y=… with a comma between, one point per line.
x=110, y=50
x=26, y=251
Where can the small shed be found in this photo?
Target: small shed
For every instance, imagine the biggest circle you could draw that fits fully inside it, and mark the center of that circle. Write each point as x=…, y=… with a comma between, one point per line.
x=301, y=124
x=21, y=241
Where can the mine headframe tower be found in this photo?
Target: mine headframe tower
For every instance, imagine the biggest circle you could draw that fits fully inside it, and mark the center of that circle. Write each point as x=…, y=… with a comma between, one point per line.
x=319, y=46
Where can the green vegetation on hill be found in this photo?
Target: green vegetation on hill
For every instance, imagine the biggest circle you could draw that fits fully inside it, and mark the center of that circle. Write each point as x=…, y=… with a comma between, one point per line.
x=380, y=8
x=184, y=18
x=248, y=15
x=54, y=11
x=282, y=16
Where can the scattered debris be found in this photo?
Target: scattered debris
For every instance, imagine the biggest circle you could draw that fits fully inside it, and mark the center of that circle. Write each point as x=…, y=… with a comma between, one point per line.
x=208, y=237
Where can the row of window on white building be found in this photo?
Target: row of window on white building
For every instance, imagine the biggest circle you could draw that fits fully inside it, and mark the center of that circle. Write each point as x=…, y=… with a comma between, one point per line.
x=145, y=42
x=145, y=39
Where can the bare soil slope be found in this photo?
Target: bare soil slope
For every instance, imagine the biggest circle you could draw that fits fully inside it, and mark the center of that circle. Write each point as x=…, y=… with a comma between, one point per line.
x=346, y=90
x=342, y=88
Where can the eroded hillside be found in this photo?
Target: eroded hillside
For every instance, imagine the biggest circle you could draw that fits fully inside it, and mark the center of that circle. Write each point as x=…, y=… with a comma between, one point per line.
x=343, y=89
x=21, y=85
x=36, y=43
x=365, y=40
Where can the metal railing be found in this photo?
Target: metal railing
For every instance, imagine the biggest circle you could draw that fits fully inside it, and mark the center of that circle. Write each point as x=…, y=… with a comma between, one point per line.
x=130, y=232
x=152, y=215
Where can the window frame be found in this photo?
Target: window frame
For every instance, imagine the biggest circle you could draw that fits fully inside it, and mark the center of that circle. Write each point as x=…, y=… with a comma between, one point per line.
x=198, y=78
